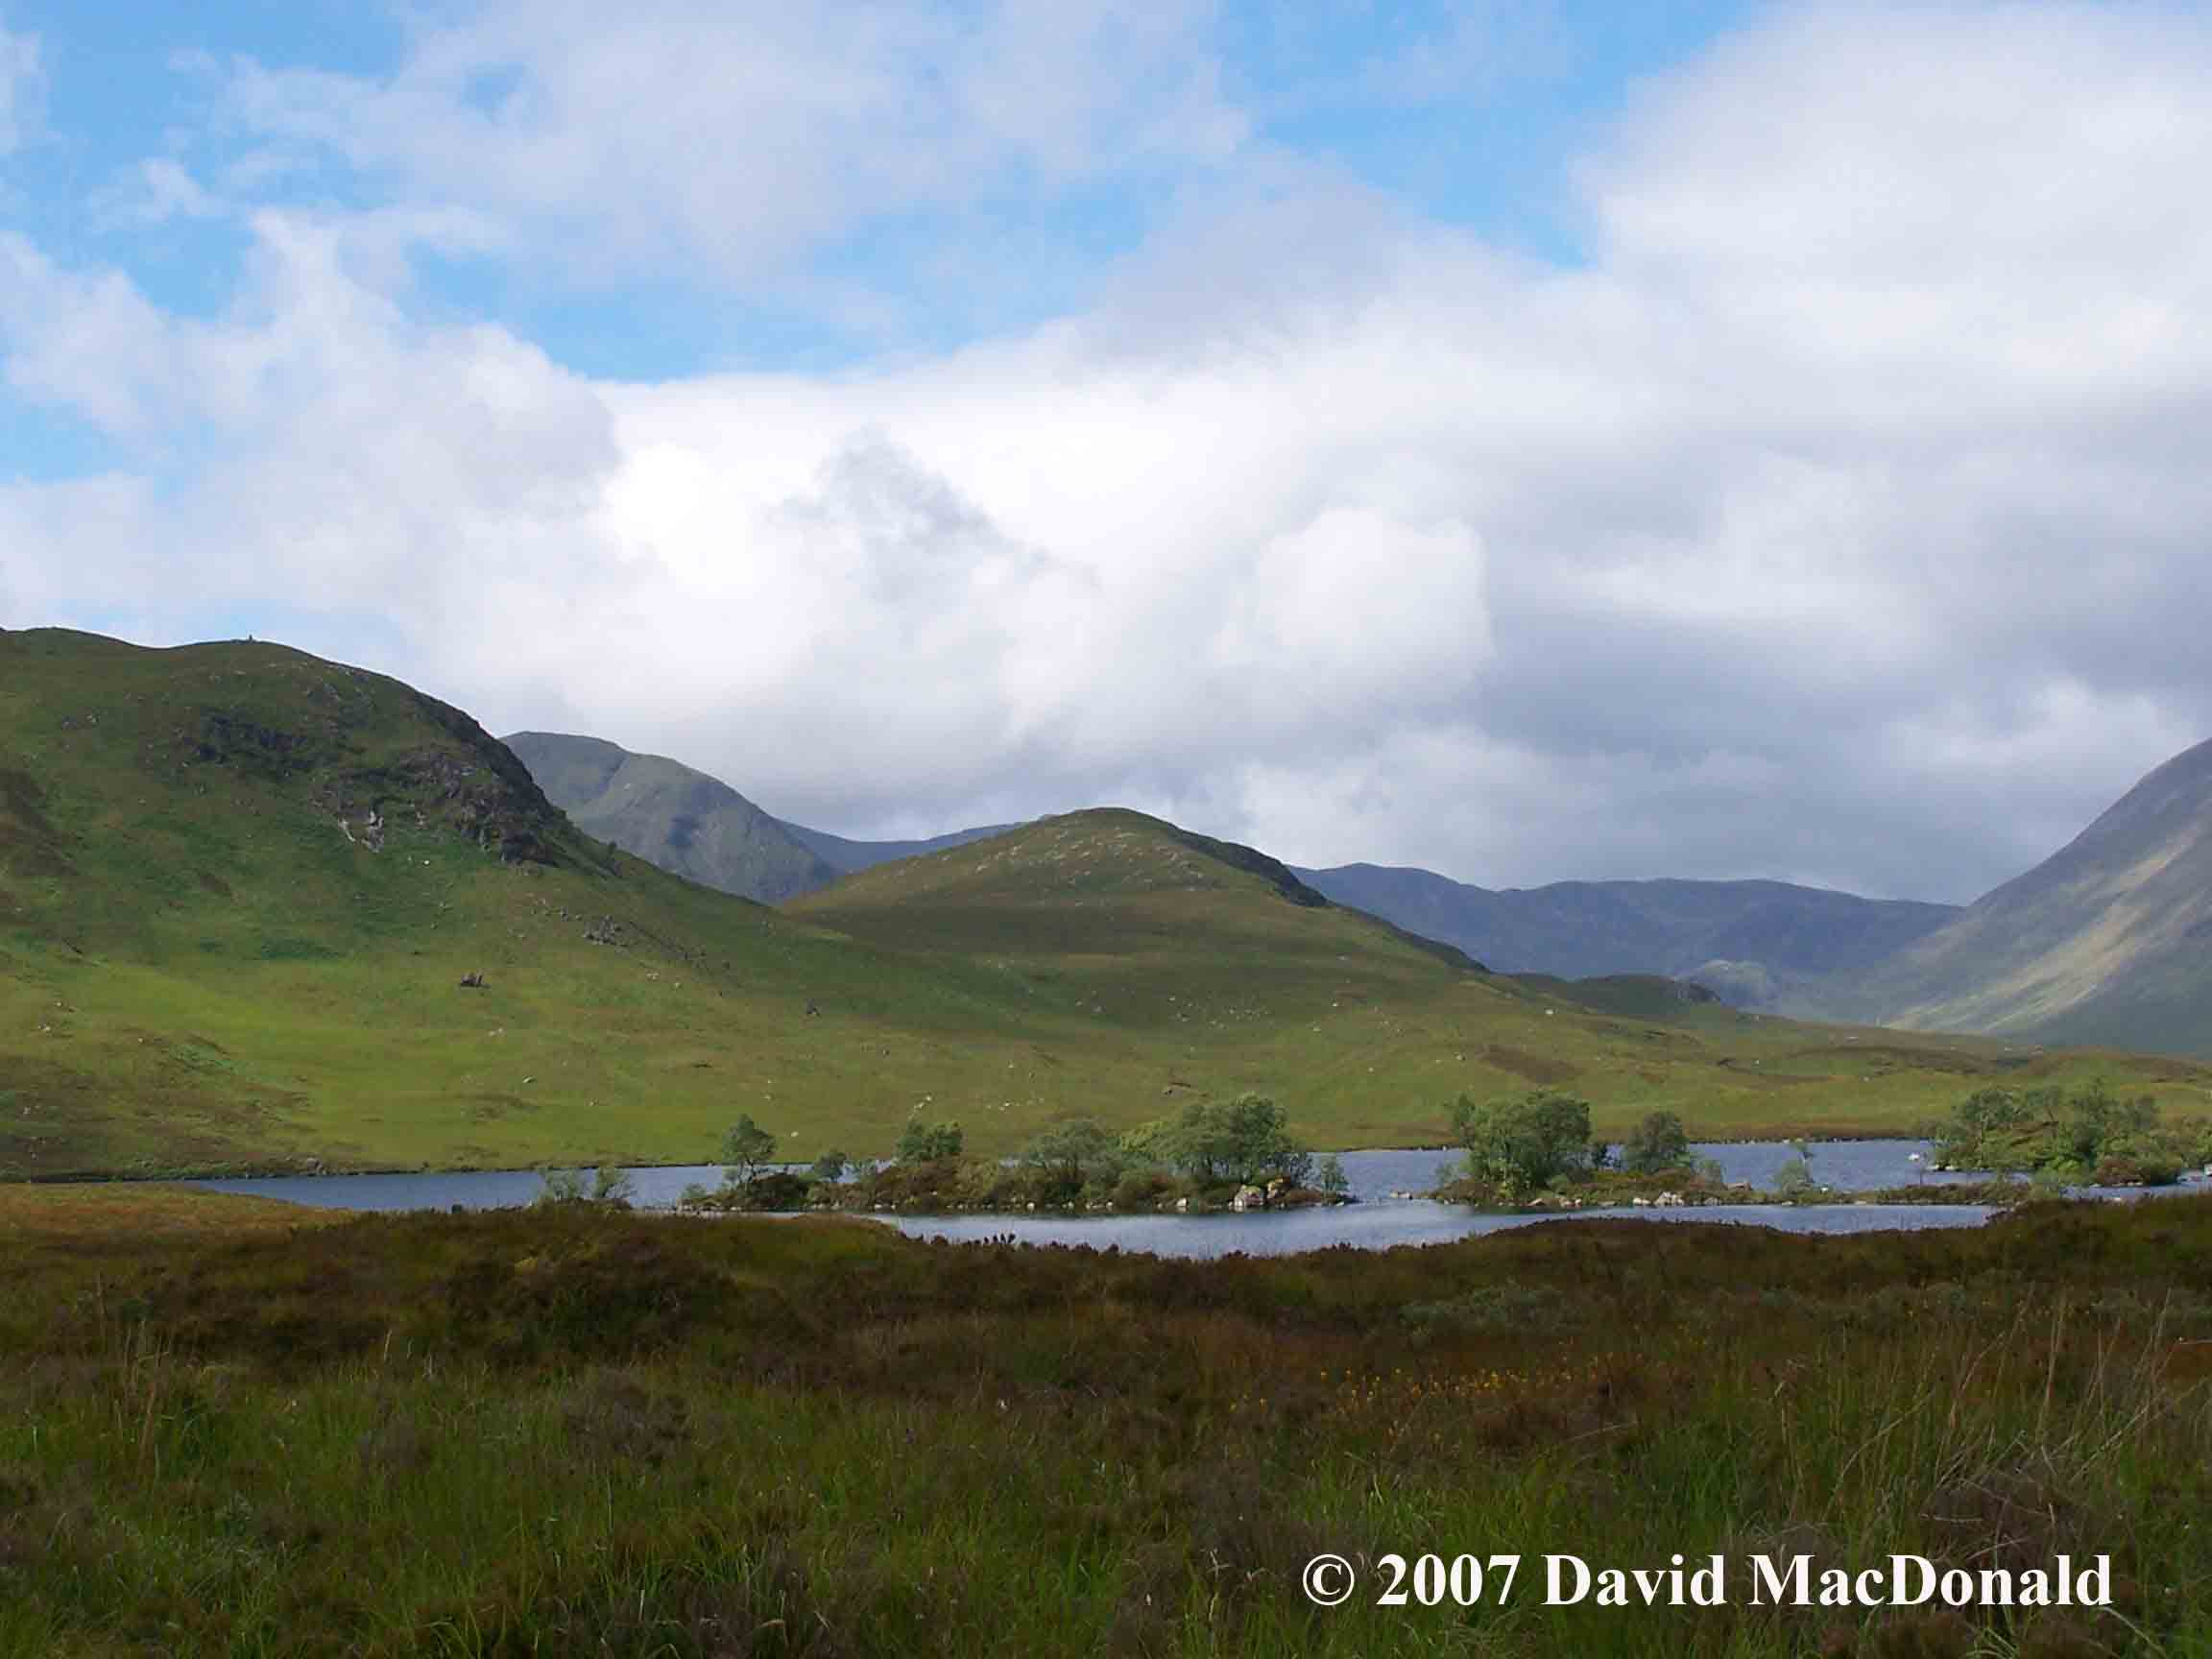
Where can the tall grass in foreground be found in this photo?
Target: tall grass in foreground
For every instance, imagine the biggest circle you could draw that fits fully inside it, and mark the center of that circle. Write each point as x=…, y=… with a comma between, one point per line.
x=575, y=1435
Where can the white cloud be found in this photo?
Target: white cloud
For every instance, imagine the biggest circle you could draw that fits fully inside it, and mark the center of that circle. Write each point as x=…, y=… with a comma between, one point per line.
x=727, y=138
x=1866, y=454
x=156, y=191
x=22, y=90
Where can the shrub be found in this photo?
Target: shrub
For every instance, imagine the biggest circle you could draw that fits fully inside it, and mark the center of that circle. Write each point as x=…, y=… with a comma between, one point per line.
x=832, y=1165
x=2098, y=1121
x=1796, y=1176
x=1330, y=1177
x=608, y=1187
x=1070, y=1154
x=921, y=1143
x=1658, y=1142
x=2125, y=1169
x=1141, y=1188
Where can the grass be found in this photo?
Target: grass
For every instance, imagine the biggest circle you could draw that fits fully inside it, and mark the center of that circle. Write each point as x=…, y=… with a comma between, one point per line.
x=206, y=966
x=568, y=1432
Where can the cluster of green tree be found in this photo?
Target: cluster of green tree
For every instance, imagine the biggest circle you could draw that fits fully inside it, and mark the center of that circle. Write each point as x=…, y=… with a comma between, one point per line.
x=2088, y=1134
x=606, y=1189
x=1212, y=1147
x=1521, y=1145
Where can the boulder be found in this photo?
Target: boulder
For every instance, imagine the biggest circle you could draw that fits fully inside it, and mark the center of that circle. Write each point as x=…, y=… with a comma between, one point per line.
x=1249, y=1198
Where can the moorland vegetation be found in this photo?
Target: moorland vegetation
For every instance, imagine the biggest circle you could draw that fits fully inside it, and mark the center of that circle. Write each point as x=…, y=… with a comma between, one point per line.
x=233, y=1428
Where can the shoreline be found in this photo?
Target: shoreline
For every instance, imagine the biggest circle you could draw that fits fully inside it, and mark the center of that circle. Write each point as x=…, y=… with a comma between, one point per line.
x=320, y=1168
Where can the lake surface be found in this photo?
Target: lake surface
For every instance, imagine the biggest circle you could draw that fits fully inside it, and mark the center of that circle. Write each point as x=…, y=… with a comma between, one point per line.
x=1378, y=1221
x=1375, y=1176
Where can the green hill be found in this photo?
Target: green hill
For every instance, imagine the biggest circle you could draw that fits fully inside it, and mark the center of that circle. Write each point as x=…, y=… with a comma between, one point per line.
x=2103, y=941
x=240, y=887
x=665, y=812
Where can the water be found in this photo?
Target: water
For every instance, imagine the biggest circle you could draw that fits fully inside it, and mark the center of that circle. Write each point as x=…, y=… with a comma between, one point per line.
x=1378, y=1222
x=1385, y=1225
x=1373, y=1176
x=1847, y=1166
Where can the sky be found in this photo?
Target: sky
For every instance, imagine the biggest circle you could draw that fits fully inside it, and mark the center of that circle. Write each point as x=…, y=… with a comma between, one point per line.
x=1531, y=441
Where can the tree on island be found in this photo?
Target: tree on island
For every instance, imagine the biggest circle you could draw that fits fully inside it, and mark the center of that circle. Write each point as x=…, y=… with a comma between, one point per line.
x=1795, y=1175
x=608, y=1187
x=1522, y=1140
x=921, y=1142
x=746, y=1150
x=1075, y=1151
x=1658, y=1142
x=1331, y=1178
x=1247, y=1140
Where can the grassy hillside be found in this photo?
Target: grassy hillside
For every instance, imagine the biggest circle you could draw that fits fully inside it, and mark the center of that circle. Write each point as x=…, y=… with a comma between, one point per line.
x=239, y=887
x=2103, y=942
x=1237, y=973
x=670, y=815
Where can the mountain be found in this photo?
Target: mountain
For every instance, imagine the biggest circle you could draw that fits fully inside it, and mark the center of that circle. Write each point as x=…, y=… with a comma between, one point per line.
x=260, y=909
x=1765, y=944
x=241, y=890
x=669, y=814
x=1760, y=944
x=847, y=855
x=694, y=825
x=2109, y=941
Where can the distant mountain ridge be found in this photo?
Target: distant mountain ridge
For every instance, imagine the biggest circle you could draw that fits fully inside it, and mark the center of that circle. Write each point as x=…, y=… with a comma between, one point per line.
x=672, y=815
x=694, y=825
x=846, y=855
x=1757, y=943
x=2107, y=941
x=1769, y=945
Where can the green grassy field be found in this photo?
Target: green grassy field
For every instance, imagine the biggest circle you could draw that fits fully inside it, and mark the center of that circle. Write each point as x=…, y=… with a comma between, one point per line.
x=204, y=963
x=644, y=1437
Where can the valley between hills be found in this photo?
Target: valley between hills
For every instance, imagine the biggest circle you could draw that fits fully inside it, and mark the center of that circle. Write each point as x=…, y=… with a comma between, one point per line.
x=241, y=889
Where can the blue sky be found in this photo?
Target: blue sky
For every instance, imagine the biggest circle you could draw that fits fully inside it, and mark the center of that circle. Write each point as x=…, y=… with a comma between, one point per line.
x=1467, y=115
x=1533, y=442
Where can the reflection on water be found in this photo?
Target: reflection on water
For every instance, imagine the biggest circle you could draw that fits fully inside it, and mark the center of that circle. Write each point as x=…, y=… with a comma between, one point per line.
x=1378, y=1222
x=1384, y=1225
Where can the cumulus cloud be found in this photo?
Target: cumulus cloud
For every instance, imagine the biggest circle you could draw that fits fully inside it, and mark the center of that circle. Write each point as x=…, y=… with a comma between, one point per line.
x=731, y=138
x=1840, y=518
